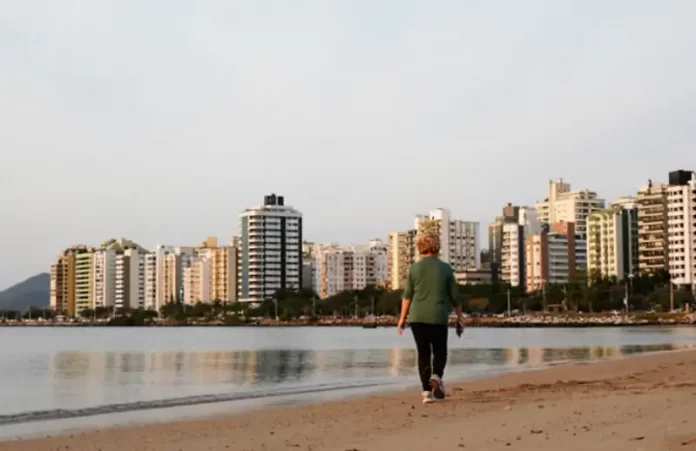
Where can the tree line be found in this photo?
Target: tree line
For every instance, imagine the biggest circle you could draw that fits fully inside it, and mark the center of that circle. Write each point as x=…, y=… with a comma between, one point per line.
x=585, y=293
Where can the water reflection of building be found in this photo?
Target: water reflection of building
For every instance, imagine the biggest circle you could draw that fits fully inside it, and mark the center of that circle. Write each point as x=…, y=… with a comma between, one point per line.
x=99, y=378
x=400, y=359
x=535, y=356
x=604, y=352
x=513, y=356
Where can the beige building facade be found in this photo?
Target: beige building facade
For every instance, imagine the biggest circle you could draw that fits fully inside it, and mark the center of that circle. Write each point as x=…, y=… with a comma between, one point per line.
x=612, y=241
x=401, y=254
x=84, y=280
x=653, y=243
x=71, y=284
x=554, y=256
x=564, y=205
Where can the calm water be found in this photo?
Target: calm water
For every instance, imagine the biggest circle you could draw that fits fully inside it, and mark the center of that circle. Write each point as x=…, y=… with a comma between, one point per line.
x=55, y=373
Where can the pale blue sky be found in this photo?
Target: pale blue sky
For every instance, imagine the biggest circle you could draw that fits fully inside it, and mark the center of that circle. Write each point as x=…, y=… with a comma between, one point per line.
x=161, y=120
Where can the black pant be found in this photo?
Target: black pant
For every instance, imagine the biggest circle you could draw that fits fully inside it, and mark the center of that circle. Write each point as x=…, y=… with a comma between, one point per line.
x=431, y=340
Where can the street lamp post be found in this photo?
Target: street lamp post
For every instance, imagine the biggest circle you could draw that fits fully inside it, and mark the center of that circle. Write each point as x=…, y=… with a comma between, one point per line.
x=671, y=296
x=508, y=303
x=543, y=294
x=629, y=289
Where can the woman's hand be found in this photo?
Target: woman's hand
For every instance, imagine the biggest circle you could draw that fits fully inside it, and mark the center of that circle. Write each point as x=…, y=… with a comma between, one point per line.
x=400, y=327
x=460, y=327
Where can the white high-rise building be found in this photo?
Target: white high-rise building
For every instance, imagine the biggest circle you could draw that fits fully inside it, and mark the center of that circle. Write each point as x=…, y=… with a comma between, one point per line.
x=104, y=261
x=459, y=240
x=151, y=280
x=380, y=252
x=681, y=228
x=564, y=205
x=157, y=295
x=513, y=257
x=340, y=269
x=270, y=258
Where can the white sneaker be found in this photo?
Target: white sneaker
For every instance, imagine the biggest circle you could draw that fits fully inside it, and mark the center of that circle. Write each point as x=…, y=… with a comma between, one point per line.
x=438, y=387
x=428, y=397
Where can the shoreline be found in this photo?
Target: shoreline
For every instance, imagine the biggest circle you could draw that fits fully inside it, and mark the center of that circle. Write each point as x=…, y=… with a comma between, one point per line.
x=577, y=405
x=522, y=321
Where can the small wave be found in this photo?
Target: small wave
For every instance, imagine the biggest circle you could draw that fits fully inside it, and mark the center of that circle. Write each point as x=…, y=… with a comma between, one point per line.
x=60, y=414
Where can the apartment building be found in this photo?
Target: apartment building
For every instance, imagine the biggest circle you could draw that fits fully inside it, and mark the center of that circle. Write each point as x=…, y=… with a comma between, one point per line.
x=84, y=280
x=271, y=250
x=379, y=274
x=511, y=215
x=130, y=279
x=224, y=274
x=653, y=243
x=554, y=256
x=63, y=289
x=352, y=268
x=474, y=276
x=151, y=281
x=330, y=270
x=401, y=254
x=564, y=205
x=459, y=240
x=220, y=262
x=612, y=240
x=198, y=280
x=104, y=270
x=681, y=228
x=308, y=281
x=174, y=264
x=513, y=255
x=512, y=267
x=72, y=281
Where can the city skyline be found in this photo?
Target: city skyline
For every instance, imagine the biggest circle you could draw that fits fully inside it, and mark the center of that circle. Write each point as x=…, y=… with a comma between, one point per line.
x=572, y=235
x=483, y=230
x=160, y=122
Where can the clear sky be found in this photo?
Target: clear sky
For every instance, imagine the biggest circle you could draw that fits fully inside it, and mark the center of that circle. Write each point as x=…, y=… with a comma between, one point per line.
x=161, y=120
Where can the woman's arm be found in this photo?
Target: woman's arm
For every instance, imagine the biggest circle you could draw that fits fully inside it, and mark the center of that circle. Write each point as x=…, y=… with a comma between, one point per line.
x=405, y=303
x=456, y=302
x=405, y=307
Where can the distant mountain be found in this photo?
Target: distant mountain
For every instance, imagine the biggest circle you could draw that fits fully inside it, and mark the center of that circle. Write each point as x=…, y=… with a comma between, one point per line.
x=33, y=292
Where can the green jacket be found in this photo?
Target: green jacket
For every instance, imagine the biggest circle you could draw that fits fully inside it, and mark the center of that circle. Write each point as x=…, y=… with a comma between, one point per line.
x=432, y=290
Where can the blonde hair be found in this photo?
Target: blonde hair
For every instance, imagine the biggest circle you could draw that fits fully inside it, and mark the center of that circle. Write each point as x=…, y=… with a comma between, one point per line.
x=428, y=242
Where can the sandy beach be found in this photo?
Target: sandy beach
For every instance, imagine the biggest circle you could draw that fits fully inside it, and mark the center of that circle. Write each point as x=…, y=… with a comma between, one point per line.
x=640, y=403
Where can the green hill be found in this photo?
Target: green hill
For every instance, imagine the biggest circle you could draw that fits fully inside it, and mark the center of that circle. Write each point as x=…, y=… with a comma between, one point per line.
x=33, y=292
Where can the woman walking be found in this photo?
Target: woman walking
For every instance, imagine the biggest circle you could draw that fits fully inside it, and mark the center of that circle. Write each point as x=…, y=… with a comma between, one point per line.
x=429, y=295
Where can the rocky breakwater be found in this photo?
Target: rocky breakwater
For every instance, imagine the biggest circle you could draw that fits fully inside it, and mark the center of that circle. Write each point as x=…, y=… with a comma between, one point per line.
x=577, y=320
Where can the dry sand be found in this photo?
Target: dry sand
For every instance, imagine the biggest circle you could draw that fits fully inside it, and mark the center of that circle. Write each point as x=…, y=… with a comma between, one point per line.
x=641, y=403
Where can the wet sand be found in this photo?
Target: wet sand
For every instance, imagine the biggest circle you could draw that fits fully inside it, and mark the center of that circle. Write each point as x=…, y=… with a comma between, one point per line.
x=639, y=403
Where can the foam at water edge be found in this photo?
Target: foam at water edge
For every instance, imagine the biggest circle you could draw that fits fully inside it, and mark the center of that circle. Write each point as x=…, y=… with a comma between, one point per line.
x=58, y=414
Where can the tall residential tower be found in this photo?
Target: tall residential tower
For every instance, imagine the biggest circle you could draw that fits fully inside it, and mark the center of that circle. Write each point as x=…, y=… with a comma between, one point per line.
x=270, y=257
